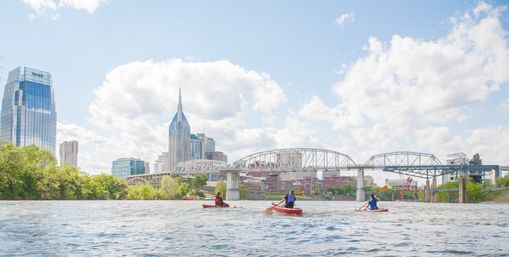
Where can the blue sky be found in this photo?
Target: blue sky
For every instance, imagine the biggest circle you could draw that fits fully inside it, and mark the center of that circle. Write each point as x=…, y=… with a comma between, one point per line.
x=261, y=75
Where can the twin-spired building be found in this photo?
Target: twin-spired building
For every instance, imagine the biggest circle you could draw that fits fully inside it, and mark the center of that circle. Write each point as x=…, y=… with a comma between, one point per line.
x=28, y=114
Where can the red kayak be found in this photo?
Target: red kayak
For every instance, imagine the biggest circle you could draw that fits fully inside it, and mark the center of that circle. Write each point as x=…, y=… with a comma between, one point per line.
x=214, y=206
x=295, y=211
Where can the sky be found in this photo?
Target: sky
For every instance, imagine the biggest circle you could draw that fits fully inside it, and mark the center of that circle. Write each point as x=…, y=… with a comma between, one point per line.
x=358, y=77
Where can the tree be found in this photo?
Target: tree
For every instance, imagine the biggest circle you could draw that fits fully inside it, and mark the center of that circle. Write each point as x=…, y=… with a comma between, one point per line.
x=475, y=193
x=503, y=181
x=243, y=191
x=182, y=190
x=450, y=194
x=221, y=187
x=173, y=188
x=166, y=191
x=199, y=181
x=141, y=192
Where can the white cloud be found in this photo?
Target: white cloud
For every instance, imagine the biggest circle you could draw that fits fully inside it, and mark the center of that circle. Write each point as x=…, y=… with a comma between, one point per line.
x=137, y=100
x=51, y=7
x=405, y=93
x=343, y=19
x=410, y=81
x=88, y=5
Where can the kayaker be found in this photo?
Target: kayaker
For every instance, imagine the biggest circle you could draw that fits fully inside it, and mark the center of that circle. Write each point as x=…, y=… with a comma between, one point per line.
x=219, y=200
x=372, y=204
x=290, y=199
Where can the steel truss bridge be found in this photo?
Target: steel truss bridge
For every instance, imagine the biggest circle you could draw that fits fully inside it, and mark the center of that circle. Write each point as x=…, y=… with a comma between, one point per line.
x=415, y=164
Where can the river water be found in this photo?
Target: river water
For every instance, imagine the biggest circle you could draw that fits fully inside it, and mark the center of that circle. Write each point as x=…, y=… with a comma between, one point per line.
x=183, y=228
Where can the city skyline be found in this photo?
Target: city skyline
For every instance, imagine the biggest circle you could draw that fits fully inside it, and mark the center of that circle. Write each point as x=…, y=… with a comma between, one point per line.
x=431, y=82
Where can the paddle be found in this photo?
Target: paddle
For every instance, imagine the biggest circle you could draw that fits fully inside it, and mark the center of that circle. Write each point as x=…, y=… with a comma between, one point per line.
x=381, y=191
x=269, y=210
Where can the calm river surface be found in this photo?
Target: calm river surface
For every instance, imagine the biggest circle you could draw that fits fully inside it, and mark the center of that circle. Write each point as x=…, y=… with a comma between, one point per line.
x=183, y=228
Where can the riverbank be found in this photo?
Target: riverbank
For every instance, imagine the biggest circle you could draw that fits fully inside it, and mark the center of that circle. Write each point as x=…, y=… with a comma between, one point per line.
x=501, y=196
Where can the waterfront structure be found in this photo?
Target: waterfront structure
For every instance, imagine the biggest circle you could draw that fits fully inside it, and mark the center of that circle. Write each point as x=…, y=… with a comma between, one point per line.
x=124, y=167
x=28, y=114
x=179, y=137
x=69, y=153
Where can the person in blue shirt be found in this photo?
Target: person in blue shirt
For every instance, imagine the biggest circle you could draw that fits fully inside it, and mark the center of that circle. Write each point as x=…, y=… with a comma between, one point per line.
x=290, y=199
x=372, y=204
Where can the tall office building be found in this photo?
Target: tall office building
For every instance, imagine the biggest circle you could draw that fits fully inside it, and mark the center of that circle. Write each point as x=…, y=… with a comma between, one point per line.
x=124, y=167
x=28, y=109
x=208, y=145
x=195, y=148
x=179, y=137
x=69, y=153
x=147, y=168
x=161, y=164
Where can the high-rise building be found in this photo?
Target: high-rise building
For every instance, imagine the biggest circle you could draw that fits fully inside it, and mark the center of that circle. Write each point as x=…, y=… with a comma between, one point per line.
x=69, y=153
x=195, y=147
x=208, y=145
x=147, y=168
x=161, y=164
x=217, y=156
x=179, y=137
x=124, y=167
x=28, y=109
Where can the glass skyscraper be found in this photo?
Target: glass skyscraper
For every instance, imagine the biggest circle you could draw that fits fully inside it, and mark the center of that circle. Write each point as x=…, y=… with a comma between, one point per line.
x=28, y=109
x=195, y=147
x=179, y=138
x=127, y=166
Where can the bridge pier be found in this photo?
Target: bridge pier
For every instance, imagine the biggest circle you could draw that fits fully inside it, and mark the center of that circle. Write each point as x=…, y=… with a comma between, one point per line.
x=232, y=184
x=361, y=193
x=427, y=192
x=434, y=190
x=462, y=197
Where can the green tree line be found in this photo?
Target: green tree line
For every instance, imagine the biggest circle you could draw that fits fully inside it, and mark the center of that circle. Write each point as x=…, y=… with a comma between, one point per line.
x=171, y=188
x=30, y=173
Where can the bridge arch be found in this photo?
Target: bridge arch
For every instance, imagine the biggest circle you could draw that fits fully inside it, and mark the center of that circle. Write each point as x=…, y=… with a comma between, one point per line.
x=402, y=158
x=133, y=180
x=295, y=159
x=417, y=164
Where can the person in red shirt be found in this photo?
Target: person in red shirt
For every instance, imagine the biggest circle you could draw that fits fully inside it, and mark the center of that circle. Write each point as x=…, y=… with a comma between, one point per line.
x=219, y=200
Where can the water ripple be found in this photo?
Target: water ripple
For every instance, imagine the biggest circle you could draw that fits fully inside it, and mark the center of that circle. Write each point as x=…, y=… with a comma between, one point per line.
x=183, y=228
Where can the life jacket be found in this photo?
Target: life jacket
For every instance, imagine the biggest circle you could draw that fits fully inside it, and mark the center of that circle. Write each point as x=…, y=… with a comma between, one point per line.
x=372, y=204
x=291, y=198
x=218, y=200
